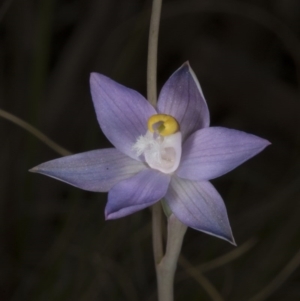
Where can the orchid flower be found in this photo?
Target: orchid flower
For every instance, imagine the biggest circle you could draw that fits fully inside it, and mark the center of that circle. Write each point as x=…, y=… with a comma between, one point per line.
x=168, y=152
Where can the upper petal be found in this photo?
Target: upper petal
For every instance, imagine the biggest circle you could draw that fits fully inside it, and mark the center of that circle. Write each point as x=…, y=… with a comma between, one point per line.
x=199, y=206
x=182, y=98
x=212, y=152
x=97, y=170
x=121, y=112
x=136, y=193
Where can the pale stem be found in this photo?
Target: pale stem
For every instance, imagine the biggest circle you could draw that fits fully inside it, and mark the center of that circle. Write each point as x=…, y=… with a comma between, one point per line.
x=167, y=267
x=152, y=52
x=157, y=240
x=165, y=264
x=35, y=132
x=152, y=98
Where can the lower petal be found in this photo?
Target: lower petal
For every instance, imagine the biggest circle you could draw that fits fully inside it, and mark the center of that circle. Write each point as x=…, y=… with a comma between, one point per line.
x=136, y=193
x=199, y=206
x=97, y=170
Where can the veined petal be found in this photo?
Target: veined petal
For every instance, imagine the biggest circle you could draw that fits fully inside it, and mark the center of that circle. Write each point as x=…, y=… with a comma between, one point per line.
x=121, y=112
x=211, y=152
x=199, y=206
x=182, y=98
x=97, y=170
x=136, y=193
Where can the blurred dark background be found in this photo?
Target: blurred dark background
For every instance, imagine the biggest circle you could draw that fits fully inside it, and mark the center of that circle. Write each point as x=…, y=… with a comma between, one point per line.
x=54, y=242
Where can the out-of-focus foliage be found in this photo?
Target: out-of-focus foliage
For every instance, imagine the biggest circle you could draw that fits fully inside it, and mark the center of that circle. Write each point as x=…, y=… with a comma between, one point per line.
x=54, y=242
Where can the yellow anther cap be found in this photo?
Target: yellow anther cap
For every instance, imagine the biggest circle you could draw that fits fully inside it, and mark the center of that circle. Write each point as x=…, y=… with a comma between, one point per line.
x=163, y=124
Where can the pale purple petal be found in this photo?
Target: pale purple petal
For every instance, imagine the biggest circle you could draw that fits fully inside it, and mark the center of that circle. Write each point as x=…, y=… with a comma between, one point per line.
x=182, y=97
x=199, y=206
x=211, y=152
x=121, y=112
x=97, y=170
x=136, y=193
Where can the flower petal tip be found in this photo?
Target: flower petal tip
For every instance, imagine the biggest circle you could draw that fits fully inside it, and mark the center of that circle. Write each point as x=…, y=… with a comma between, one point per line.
x=268, y=143
x=262, y=144
x=98, y=80
x=110, y=214
x=36, y=169
x=94, y=75
x=187, y=64
x=107, y=216
x=224, y=236
x=232, y=241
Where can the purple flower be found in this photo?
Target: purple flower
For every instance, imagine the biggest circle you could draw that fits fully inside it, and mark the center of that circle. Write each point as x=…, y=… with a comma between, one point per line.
x=167, y=153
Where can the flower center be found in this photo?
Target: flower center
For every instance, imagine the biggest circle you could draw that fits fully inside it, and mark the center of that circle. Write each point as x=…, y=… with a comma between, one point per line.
x=161, y=145
x=163, y=124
